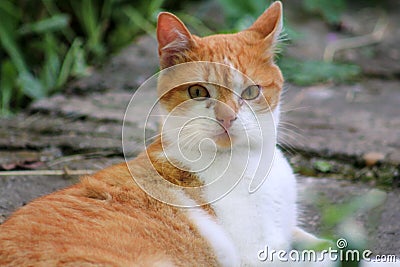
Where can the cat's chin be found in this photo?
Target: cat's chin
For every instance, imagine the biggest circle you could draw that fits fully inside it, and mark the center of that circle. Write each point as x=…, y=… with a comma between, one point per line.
x=224, y=140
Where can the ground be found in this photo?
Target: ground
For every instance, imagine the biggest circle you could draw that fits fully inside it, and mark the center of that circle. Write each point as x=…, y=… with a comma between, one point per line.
x=331, y=128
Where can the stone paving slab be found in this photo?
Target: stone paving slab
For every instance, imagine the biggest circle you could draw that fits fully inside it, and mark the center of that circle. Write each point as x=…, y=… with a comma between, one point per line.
x=379, y=227
x=16, y=191
x=346, y=120
x=332, y=120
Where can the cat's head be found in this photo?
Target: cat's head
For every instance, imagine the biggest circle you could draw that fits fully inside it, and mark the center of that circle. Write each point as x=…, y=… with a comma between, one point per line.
x=222, y=87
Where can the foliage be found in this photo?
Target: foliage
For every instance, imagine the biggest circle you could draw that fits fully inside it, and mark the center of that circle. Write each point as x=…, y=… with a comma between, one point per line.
x=328, y=9
x=240, y=15
x=340, y=221
x=45, y=43
x=312, y=72
x=322, y=166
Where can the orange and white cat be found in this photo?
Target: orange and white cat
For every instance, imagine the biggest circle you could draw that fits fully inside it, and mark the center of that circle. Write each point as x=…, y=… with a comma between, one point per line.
x=108, y=220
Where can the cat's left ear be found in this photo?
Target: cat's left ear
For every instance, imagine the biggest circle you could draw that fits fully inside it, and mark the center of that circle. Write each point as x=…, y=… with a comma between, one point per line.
x=173, y=39
x=269, y=24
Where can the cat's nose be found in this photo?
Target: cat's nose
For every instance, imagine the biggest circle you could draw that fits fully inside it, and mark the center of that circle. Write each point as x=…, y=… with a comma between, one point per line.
x=226, y=119
x=225, y=113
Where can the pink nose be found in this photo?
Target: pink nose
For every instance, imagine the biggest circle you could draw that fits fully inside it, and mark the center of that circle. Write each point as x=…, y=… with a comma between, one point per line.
x=225, y=113
x=227, y=121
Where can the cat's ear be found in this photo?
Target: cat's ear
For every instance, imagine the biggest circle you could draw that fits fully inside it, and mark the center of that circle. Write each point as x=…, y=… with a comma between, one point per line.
x=269, y=24
x=173, y=38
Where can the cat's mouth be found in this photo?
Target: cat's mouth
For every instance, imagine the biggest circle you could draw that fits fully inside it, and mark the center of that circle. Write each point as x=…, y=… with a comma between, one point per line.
x=224, y=138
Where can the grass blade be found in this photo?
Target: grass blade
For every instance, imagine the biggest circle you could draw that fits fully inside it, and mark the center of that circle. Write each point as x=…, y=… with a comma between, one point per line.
x=7, y=39
x=8, y=74
x=31, y=86
x=54, y=23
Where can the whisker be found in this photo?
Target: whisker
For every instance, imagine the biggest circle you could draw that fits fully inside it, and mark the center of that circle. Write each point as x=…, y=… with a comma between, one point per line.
x=295, y=109
x=291, y=150
x=283, y=126
x=173, y=116
x=184, y=138
x=188, y=137
x=288, y=140
x=167, y=131
x=193, y=143
x=297, y=135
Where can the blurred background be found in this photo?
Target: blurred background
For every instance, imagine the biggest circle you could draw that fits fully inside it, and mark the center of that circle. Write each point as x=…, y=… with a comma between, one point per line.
x=46, y=43
x=68, y=68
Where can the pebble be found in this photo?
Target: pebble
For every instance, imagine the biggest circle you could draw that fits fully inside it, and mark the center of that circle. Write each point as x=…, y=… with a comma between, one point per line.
x=372, y=158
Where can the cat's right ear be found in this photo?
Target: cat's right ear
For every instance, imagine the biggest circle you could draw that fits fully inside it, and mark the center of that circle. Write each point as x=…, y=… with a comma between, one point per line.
x=173, y=39
x=269, y=24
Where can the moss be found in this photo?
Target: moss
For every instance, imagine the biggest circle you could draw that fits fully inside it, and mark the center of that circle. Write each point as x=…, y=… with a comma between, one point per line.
x=384, y=175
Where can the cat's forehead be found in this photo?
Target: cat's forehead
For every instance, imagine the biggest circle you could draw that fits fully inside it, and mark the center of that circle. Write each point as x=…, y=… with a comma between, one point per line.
x=225, y=77
x=239, y=47
x=243, y=57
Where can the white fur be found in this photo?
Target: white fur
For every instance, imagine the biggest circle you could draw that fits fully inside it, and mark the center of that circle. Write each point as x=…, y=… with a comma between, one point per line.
x=252, y=221
x=215, y=234
x=265, y=217
x=247, y=222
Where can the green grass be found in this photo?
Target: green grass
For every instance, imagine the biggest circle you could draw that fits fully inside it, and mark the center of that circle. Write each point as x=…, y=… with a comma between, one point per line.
x=44, y=44
x=308, y=72
x=241, y=14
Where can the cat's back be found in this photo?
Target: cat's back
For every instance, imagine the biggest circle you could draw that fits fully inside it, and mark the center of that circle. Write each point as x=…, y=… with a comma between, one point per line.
x=105, y=220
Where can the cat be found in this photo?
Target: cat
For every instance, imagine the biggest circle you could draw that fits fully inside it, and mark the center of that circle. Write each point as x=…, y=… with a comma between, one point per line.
x=120, y=216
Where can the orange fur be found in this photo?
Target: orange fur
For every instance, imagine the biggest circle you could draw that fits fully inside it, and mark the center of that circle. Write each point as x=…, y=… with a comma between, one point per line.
x=106, y=219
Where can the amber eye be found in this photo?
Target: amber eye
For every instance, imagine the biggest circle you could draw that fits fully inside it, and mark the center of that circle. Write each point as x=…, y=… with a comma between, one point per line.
x=251, y=92
x=198, y=92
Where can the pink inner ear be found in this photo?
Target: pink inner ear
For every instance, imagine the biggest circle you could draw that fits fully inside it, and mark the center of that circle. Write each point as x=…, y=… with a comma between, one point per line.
x=171, y=30
x=173, y=39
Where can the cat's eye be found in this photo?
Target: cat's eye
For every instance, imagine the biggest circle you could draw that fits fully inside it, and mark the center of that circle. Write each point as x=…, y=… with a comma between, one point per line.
x=198, y=92
x=251, y=92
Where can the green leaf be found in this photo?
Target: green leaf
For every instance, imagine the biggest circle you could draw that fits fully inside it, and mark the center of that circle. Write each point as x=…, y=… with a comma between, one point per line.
x=242, y=13
x=330, y=10
x=138, y=19
x=73, y=63
x=7, y=40
x=52, y=24
x=79, y=67
x=312, y=72
x=8, y=75
x=31, y=86
x=154, y=8
x=50, y=69
x=334, y=214
x=323, y=166
x=9, y=8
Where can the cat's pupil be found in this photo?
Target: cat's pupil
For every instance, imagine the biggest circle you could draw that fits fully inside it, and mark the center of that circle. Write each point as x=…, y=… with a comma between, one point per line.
x=197, y=92
x=251, y=92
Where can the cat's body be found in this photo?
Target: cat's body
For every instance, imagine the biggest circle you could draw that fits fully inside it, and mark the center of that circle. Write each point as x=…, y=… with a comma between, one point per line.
x=108, y=220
